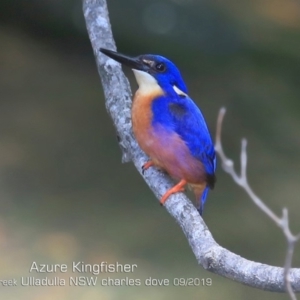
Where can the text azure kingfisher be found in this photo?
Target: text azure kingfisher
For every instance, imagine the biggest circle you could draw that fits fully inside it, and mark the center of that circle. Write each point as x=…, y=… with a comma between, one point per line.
x=168, y=125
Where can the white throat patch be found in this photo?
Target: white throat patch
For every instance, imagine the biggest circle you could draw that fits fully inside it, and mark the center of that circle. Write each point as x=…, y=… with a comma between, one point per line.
x=146, y=82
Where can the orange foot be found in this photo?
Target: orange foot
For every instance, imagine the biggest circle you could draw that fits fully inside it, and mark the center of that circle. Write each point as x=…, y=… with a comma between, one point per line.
x=179, y=187
x=147, y=165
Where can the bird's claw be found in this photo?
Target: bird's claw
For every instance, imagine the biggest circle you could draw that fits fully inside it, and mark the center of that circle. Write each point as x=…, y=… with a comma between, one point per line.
x=146, y=166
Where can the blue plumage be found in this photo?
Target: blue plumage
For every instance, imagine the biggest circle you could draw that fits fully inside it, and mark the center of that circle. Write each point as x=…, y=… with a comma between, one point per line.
x=184, y=117
x=181, y=114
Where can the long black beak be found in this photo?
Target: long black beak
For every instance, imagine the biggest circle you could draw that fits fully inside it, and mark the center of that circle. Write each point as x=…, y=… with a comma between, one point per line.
x=132, y=62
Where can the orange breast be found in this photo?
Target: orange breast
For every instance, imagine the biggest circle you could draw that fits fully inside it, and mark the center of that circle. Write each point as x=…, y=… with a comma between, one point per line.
x=165, y=148
x=141, y=115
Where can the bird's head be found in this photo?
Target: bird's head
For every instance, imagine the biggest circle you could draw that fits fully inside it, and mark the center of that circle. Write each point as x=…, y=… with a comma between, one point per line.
x=152, y=70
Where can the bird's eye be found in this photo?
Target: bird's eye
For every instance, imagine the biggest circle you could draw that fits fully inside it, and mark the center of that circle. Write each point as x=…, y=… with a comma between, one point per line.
x=160, y=67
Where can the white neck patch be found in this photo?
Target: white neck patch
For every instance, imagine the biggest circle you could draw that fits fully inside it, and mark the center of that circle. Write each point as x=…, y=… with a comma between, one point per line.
x=179, y=91
x=146, y=82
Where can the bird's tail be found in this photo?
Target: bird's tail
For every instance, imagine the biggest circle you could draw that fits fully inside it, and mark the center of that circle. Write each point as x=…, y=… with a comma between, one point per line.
x=200, y=192
x=203, y=199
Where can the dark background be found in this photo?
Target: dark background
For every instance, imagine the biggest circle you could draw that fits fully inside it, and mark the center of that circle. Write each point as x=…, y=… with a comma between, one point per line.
x=65, y=196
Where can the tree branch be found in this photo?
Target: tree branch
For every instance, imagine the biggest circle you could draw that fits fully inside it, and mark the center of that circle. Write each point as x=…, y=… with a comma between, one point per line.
x=118, y=103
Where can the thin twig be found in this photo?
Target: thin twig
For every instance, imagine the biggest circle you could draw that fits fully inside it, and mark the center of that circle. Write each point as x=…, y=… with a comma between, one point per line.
x=241, y=180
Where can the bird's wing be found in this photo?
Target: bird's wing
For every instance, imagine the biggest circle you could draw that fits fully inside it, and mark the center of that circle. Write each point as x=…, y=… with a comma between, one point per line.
x=182, y=115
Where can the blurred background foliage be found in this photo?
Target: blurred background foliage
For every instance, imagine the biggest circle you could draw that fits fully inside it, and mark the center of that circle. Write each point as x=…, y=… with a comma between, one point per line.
x=65, y=196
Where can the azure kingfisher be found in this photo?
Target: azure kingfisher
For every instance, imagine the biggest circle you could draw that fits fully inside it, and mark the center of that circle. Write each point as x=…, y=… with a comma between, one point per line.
x=168, y=125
